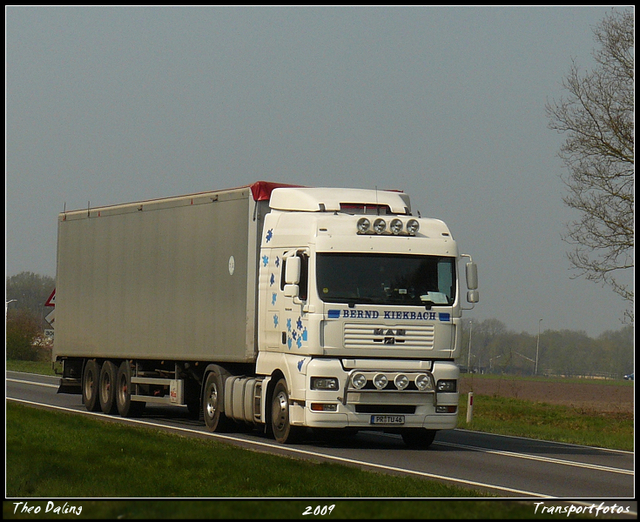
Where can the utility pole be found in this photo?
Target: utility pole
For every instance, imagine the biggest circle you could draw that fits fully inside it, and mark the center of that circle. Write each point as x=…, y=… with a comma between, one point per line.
x=538, y=346
x=469, y=356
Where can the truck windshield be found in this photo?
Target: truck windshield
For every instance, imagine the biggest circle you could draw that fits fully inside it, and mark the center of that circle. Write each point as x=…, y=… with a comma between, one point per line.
x=386, y=279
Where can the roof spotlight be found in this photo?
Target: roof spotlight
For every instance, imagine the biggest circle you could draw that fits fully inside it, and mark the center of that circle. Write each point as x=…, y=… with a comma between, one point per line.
x=379, y=225
x=363, y=225
x=395, y=226
x=413, y=226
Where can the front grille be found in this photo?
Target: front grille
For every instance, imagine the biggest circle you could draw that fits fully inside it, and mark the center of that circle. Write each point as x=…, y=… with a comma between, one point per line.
x=372, y=336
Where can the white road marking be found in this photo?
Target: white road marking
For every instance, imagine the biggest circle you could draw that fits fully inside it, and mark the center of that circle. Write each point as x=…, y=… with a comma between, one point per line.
x=34, y=383
x=540, y=459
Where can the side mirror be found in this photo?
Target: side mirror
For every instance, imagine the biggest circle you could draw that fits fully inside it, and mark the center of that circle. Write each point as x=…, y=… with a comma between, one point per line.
x=471, y=270
x=292, y=271
x=291, y=291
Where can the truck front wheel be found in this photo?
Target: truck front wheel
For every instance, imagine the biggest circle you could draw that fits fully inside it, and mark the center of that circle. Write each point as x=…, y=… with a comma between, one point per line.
x=282, y=429
x=90, y=380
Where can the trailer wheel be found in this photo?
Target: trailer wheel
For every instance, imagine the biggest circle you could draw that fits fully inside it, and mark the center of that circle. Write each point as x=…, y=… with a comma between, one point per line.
x=283, y=431
x=213, y=402
x=107, y=387
x=126, y=407
x=418, y=438
x=90, y=380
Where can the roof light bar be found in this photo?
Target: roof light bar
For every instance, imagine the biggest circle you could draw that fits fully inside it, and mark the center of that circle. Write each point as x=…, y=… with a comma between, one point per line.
x=396, y=227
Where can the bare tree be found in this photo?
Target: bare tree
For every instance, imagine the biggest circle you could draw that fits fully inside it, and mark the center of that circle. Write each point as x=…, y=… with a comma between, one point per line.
x=597, y=118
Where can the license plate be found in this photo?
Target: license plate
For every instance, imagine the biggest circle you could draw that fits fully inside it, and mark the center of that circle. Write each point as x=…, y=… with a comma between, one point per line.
x=387, y=419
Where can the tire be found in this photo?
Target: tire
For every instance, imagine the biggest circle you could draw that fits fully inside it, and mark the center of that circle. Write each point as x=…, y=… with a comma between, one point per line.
x=281, y=428
x=418, y=438
x=90, y=380
x=107, y=387
x=213, y=402
x=126, y=407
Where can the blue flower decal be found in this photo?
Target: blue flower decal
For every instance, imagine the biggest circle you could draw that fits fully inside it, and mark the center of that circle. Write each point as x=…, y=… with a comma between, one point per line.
x=269, y=234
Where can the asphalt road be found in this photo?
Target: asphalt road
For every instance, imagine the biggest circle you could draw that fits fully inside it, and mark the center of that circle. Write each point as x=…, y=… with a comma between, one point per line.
x=509, y=467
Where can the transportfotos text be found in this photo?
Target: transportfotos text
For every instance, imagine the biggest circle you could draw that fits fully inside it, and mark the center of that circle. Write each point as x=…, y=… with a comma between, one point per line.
x=573, y=509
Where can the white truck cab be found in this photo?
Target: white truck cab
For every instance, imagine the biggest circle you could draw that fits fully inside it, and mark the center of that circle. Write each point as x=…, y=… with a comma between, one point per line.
x=359, y=311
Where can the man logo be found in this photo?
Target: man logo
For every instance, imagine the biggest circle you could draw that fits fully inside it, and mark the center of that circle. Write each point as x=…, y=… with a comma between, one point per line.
x=389, y=336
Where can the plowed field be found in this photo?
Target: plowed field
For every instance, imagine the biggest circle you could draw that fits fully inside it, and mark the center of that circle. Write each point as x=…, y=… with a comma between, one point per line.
x=598, y=396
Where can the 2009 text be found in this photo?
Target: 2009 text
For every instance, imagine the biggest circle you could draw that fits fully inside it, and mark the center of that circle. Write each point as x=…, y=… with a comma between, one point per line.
x=319, y=510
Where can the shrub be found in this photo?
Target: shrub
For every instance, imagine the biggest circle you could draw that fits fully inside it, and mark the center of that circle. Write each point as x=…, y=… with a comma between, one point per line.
x=21, y=333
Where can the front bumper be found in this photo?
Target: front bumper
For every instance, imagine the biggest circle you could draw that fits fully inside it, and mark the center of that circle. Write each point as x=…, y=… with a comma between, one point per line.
x=390, y=407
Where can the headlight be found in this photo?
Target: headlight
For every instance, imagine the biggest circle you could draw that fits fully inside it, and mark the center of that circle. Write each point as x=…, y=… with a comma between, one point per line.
x=380, y=381
x=358, y=380
x=413, y=226
x=447, y=385
x=363, y=225
x=379, y=225
x=423, y=382
x=395, y=226
x=401, y=381
x=324, y=383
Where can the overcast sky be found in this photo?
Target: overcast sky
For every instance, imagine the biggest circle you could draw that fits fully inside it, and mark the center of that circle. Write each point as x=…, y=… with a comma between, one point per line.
x=116, y=104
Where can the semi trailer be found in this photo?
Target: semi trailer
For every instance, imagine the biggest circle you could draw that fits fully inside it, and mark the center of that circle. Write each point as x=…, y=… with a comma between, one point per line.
x=275, y=306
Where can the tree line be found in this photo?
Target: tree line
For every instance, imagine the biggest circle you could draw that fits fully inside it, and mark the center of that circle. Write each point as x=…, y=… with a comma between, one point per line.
x=489, y=347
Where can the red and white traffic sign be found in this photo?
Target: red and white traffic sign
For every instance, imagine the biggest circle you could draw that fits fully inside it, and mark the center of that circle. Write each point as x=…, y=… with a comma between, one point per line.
x=52, y=299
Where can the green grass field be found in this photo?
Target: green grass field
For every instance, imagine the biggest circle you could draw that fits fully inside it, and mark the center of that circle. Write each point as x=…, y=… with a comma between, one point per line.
x=508, y=416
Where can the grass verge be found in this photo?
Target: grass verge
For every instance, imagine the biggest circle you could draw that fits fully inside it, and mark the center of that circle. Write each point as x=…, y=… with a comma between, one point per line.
x=39, y=367
x=553, y=422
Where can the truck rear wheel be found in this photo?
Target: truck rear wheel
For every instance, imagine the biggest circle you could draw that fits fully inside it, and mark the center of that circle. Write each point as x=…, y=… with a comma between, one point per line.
x=282, y=429
x=418, y=438
x=107, y=387
x=126, y=407
x=90, y=380
x=213, y=402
